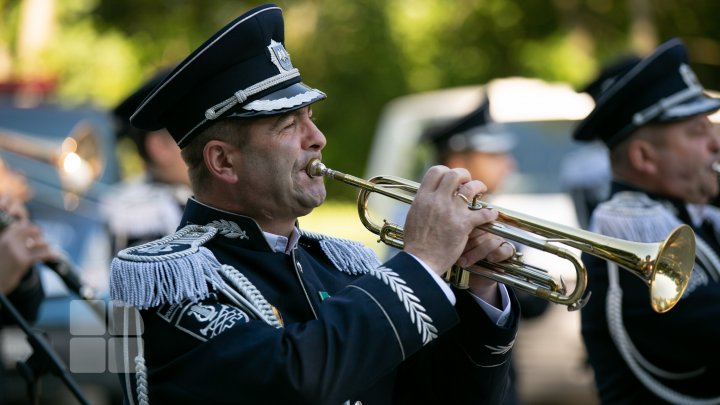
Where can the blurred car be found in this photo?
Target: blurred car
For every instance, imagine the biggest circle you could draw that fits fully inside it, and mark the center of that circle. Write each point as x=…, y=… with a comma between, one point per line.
x=68, y=158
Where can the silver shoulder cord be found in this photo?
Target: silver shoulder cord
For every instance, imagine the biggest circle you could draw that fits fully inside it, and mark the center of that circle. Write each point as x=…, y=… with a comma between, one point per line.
x=139, y=360
x=638, y=364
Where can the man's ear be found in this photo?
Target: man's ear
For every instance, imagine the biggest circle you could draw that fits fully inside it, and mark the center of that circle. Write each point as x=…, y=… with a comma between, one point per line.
x=220, y=160
x=643, y=157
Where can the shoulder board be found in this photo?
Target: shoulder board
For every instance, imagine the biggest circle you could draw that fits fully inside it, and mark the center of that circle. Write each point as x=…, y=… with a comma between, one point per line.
x=347, y=255
x=166, y=271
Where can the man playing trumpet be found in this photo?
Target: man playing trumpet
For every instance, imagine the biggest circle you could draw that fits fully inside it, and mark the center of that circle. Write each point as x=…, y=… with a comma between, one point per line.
x=241, y=306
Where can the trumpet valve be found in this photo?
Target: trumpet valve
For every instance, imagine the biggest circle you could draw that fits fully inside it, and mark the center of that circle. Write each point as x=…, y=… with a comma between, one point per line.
x=459, y=277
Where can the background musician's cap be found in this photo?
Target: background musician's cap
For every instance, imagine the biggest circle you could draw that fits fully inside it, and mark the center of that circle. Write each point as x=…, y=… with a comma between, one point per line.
x=660, y=88
x=609, y=74
x=475, y=131
x=241, y=71
x=125, y=109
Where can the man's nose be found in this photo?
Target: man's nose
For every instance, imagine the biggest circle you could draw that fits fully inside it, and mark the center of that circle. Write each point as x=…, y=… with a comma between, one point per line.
x=315, y=139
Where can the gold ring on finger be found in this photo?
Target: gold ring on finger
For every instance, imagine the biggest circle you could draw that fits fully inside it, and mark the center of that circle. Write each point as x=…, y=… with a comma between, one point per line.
x=467, y=202
x=514, y=253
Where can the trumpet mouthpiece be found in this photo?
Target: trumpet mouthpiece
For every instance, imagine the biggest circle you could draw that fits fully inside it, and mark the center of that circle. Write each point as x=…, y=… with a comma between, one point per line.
x=315, y=168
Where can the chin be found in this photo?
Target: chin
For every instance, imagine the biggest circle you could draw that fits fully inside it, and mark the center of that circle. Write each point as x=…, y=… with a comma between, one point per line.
x=313, y=201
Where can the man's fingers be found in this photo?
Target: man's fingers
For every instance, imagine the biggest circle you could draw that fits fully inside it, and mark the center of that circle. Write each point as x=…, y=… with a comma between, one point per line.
x=488, y=247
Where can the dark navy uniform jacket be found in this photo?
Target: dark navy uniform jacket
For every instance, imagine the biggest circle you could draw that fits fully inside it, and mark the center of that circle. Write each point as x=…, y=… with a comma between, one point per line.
x=682, y=344
x=380, y=334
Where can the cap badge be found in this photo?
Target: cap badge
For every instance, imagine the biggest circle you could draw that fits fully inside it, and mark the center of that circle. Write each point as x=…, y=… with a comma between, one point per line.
x=279, y=56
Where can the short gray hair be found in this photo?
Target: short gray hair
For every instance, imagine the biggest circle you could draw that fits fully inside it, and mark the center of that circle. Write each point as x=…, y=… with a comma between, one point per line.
x=232, y=131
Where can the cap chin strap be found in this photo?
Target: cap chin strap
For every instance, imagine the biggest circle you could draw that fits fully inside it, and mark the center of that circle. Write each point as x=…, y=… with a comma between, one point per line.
x=241, y=95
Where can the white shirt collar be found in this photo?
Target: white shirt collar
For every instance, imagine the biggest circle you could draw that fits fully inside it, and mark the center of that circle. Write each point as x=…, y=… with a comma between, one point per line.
x=279, y=243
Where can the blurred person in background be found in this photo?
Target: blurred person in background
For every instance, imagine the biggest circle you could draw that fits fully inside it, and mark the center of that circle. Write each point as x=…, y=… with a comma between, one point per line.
x=149, y=206
x=484, y=147
x=653, y=117
x=585, y=172
x=22, y=245
x=477, y=143
x=242, y=306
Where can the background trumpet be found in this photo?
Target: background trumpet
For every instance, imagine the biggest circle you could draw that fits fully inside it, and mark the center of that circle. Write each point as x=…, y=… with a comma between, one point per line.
x=78, y=159
x=664, y=266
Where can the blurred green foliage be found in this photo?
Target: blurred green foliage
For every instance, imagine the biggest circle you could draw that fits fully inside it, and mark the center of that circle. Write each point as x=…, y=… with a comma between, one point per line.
x=363, y=53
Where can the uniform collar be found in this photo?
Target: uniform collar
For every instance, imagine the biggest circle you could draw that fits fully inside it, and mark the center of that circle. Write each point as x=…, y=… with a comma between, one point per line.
x=240, y=230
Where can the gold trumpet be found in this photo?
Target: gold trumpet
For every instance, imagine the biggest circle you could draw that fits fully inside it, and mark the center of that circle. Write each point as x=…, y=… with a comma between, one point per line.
x=665, y=266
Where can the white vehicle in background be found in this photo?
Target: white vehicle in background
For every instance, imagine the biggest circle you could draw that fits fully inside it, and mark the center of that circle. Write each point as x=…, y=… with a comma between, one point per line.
x=549, y=354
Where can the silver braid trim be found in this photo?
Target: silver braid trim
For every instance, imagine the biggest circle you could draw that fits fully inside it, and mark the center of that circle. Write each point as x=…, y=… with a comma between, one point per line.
x=354, y=258
x=247, y=297
x=141, y=369
x=141, y=377
x=639, y=366
x=407, y=296
x=126, y=356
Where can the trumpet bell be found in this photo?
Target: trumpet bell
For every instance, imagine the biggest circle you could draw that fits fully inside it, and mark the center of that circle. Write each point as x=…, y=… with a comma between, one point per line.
x=673, y=268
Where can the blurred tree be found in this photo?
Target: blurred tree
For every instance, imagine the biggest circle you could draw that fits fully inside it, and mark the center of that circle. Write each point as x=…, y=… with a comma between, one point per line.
x=56, y=41
x=363, y=53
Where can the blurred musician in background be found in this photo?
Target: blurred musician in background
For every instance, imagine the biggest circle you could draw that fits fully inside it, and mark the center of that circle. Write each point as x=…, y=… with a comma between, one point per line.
x=653, y=117
x=22, y=244
x=484, y=147
x=150, y=206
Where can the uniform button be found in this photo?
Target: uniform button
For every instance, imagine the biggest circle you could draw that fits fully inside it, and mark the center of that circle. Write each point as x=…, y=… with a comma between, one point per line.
x=299, y=267
x=358, y=403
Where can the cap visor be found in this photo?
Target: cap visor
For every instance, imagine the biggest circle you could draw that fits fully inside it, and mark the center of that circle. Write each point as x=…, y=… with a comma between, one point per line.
x=492, y=143
x=290, y=98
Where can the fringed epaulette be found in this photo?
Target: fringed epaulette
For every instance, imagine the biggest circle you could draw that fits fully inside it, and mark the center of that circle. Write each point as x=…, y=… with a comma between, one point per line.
x=633, y=216
x=169, y=270
x=347, y=255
